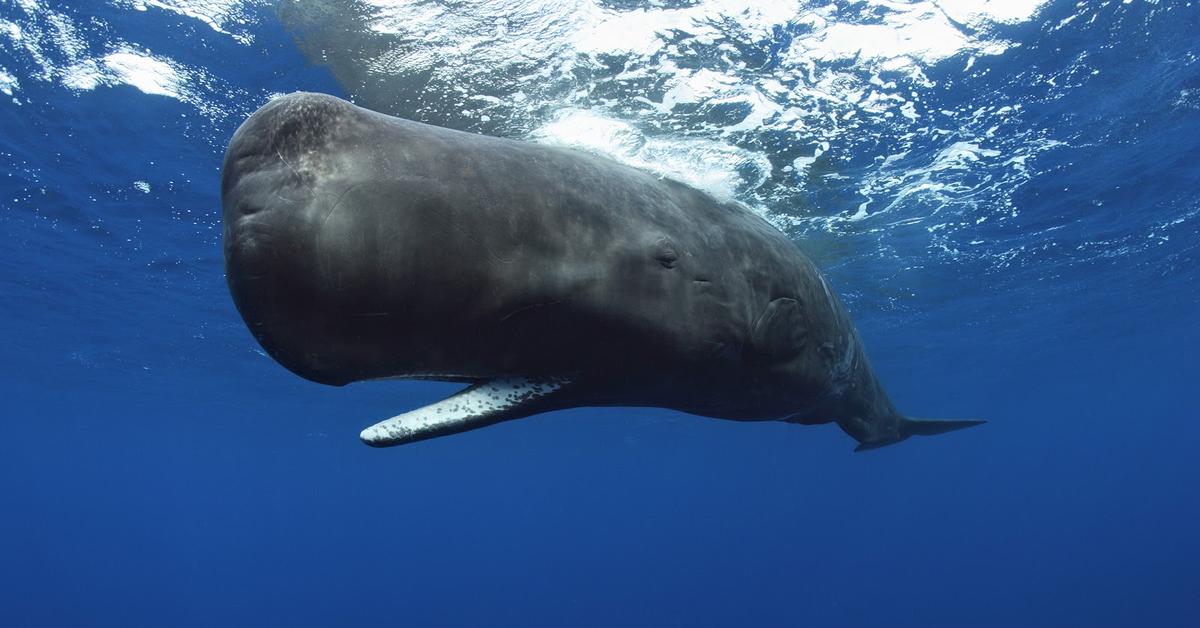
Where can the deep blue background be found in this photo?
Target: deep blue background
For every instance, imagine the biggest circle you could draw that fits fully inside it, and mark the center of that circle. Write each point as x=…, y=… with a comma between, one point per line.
x=156, y=470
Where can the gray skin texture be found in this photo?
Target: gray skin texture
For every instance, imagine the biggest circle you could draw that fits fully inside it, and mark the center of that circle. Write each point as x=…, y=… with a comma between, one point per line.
x=361, y=246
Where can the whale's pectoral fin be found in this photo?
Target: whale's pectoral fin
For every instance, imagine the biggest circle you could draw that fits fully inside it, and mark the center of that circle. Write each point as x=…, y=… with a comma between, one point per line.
x=486, y=403
x=906, y=427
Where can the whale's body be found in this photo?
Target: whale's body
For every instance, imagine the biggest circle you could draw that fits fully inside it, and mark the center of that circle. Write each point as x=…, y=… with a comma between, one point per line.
x=362, y=246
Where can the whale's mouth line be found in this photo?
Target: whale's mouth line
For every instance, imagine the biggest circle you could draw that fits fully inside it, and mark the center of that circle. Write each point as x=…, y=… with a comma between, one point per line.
x=455, y=378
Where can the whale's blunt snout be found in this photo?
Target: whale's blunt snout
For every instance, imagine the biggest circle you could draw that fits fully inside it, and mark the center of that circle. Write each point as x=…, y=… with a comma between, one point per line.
x=266, y=185
x=276, y=182
x=276, y=154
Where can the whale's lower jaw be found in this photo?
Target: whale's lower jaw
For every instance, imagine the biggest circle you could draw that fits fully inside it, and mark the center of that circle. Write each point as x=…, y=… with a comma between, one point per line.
x=486, y=403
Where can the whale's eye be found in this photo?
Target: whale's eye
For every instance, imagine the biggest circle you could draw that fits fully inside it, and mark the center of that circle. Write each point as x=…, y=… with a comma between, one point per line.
x=664, y=252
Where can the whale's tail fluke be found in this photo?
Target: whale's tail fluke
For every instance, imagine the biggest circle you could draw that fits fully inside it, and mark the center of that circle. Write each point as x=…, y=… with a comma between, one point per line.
x=905, y=427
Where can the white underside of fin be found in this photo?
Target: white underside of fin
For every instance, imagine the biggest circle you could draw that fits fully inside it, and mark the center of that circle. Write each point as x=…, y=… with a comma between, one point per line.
x=479, y=405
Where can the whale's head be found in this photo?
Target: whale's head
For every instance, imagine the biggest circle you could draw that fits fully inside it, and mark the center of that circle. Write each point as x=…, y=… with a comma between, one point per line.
x=293, y=248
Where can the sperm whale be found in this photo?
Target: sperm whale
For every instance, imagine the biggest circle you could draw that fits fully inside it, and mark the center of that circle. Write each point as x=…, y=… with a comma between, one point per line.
x=362, y=246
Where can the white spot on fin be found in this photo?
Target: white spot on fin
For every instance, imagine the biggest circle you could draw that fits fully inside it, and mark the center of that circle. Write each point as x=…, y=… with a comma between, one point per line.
x=480, y=405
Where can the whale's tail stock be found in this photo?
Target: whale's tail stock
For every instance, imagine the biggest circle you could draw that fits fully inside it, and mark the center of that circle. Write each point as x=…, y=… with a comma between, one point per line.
x=873, y=434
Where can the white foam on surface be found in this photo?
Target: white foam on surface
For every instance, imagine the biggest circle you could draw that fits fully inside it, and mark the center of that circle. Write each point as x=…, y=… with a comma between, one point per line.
x=673, y=89
x=61, y=52
x=645, y=32
x=227, y=17
x=982, y=13
x=149, y=74
x=704, y=164
x=8, y=83
x=910, y=35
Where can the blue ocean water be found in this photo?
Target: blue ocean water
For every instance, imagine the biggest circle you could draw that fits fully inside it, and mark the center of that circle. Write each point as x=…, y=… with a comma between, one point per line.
x=1006, y=196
